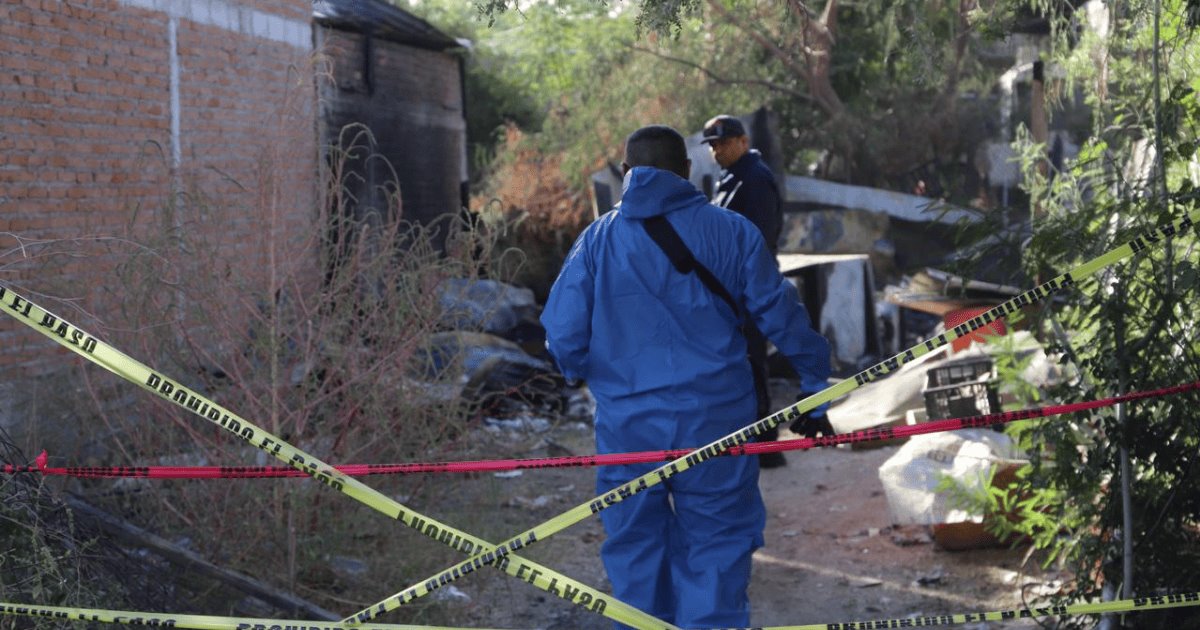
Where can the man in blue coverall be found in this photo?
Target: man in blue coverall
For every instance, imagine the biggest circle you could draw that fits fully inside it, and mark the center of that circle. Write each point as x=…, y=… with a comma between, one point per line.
x=666, y=362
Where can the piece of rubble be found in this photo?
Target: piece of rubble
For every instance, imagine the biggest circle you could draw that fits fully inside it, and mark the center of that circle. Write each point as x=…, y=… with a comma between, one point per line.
x=933, y=577
x=907, y=537
x=491, y=306
x=541, y=501
x=451, y=593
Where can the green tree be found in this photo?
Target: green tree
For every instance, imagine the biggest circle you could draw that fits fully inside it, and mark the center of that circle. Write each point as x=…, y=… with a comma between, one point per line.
x=1139, y=66
x=875, y=85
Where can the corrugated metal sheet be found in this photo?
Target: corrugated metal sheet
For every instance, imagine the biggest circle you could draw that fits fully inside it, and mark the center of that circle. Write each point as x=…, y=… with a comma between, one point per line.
x=383, y=20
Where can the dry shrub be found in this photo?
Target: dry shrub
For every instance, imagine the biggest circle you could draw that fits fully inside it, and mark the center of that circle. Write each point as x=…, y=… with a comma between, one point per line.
x=536, y=211
x=49, y=557
x=326, y=348
x=321, y=342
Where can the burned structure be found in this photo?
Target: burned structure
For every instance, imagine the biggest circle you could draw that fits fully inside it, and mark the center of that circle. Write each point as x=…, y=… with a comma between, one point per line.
x=392, y=115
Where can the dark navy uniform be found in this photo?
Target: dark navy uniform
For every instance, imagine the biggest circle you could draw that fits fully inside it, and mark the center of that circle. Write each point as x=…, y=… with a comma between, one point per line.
x=748, y=188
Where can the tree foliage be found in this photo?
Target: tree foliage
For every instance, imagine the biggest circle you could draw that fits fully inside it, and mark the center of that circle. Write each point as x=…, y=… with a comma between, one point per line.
x=875, y=86
x=1137, y=169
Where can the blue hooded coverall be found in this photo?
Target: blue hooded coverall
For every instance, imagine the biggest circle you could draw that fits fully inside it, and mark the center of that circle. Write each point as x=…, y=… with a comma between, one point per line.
x=666, y=362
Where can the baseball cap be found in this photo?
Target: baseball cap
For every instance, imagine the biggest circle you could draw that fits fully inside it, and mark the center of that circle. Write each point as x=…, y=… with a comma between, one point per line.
x=723, y=126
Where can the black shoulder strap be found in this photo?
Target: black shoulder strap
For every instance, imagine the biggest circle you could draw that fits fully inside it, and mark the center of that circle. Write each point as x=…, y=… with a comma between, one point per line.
x=681, y=257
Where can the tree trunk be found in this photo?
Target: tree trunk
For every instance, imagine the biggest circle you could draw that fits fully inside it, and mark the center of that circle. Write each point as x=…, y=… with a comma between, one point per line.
x=819, y=39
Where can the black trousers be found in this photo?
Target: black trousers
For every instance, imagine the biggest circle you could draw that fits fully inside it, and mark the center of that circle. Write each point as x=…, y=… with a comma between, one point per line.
x=756, y=353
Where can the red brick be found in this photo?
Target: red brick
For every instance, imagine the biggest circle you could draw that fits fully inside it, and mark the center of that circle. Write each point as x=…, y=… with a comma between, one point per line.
x=96, y=78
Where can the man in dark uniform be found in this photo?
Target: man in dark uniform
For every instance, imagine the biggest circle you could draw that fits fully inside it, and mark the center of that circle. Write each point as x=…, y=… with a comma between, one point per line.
x=748, y=188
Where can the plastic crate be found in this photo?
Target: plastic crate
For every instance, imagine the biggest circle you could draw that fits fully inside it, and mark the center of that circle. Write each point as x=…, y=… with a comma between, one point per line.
x=959, y=372
x=962, y=399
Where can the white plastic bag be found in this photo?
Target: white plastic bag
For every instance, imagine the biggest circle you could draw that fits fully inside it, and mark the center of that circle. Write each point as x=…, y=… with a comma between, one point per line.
x=910, y=477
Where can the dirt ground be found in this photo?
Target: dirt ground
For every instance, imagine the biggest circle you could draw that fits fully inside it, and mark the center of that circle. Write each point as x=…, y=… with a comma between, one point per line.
x=831, y=554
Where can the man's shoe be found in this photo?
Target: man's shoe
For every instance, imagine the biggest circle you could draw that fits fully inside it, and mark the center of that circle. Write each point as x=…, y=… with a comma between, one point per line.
x=771, y=460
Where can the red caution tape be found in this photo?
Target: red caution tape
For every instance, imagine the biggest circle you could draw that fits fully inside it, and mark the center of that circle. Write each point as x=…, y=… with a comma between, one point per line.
x=498, y=465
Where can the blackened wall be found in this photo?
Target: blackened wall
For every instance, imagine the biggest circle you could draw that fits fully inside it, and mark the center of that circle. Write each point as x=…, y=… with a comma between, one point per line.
x=411, y=101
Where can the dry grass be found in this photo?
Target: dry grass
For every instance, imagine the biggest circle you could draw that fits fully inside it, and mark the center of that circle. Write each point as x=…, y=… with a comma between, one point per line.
x=321, y=342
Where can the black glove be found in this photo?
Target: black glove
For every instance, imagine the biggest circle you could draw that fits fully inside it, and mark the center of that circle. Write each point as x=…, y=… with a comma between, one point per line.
x=812, y=423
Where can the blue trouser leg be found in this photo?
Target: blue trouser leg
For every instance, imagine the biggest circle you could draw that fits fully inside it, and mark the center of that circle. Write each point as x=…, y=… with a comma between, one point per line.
x=636, y=550
x=688, y=564
x=720, y=519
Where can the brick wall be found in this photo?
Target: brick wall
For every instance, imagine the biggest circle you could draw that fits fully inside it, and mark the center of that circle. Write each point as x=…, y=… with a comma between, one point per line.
x=139, y=121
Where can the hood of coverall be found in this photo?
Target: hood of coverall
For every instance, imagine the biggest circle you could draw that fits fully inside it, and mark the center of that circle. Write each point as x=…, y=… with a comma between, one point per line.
x=648, y=192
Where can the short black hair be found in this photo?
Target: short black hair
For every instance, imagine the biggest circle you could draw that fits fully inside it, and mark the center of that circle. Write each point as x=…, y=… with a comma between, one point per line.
x=659, y=146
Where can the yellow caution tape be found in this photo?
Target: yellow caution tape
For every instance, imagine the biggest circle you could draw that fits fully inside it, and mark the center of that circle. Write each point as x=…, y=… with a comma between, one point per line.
x=200, y=622
x=205, y=622
x=794, y=412
x=172, y=391
x=1137, y=604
